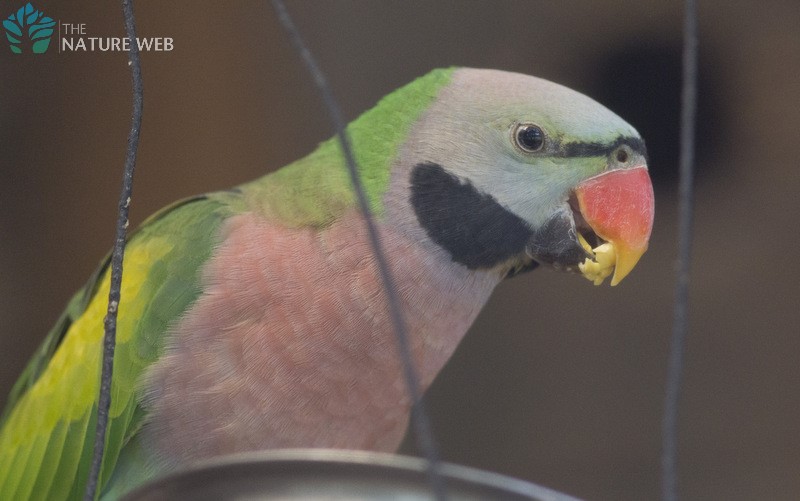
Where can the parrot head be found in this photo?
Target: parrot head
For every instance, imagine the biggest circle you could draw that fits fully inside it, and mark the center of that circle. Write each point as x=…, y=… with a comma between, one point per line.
x=508, y=171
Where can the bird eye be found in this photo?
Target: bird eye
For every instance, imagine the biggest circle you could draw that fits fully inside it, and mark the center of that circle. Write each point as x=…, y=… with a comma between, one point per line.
x=529, y=137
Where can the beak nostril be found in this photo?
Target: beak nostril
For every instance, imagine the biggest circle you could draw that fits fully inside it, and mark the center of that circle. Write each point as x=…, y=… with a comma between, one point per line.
x=622, y=155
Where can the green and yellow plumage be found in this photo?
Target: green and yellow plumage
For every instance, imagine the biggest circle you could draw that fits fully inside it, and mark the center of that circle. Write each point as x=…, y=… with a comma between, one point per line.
x=48, y=427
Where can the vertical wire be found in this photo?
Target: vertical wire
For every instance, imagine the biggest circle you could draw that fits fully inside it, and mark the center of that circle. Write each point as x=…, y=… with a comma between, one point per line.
x=680, y=325
x=110, y=322
x=420, y=420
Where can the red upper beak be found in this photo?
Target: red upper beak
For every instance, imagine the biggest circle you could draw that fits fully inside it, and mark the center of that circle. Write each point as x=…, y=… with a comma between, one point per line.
x=619, y=207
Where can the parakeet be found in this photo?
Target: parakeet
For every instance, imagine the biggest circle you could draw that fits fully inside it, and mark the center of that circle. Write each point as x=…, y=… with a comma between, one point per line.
x=253, y=318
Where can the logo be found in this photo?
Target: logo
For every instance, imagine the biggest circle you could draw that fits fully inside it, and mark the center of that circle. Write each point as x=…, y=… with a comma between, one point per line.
x=28, y=30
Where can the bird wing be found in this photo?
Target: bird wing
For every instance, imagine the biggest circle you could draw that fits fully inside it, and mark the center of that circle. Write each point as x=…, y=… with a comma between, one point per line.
x=47, y=428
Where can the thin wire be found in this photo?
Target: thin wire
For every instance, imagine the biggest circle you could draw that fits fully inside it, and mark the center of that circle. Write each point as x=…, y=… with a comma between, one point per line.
x=420, y=420
x=680, y=325
x=109, y=338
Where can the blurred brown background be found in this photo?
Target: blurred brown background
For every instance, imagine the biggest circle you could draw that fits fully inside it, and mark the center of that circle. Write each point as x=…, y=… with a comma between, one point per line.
x=558, y=382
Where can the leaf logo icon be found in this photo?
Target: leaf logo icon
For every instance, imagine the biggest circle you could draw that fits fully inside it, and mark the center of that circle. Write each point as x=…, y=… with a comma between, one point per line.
x=28, y=30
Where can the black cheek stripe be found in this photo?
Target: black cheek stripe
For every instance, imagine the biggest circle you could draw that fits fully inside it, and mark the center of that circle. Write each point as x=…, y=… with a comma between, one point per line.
x=472, y=226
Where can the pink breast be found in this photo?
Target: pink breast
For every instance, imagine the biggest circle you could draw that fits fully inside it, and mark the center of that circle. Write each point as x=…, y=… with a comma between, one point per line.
x=290, y=343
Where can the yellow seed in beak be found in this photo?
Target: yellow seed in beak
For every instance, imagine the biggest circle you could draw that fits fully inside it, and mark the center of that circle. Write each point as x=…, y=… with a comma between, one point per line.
x=602, y=266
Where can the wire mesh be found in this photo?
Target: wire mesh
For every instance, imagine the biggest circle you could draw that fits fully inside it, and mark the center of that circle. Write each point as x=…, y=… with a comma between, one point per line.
x=420, y=420
x=117, y=255
x=680, y=320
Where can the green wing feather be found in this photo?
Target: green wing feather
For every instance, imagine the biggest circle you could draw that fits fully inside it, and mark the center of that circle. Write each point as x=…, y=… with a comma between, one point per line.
x=47, y=430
